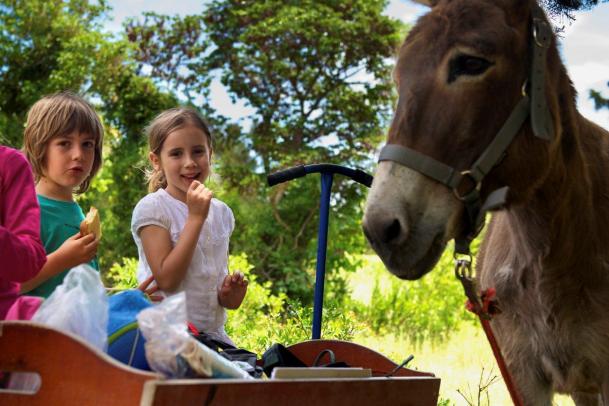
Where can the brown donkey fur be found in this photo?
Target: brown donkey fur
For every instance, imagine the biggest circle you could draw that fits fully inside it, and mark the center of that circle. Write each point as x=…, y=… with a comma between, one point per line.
x=547, y=253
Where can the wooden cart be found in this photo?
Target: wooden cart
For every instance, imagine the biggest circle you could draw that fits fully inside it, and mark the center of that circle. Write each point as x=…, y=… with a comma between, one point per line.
x=74, y=373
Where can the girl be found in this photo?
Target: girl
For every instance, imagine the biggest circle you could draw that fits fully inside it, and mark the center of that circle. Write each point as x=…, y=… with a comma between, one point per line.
x=20, y=247
x=63, y=142
x=181, y=232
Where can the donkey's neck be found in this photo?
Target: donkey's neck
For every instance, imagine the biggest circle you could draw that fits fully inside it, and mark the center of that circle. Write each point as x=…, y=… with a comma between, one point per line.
x=565, y=225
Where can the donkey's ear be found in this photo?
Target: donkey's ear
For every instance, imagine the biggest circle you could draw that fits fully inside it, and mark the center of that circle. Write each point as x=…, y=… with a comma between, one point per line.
x=430, y=3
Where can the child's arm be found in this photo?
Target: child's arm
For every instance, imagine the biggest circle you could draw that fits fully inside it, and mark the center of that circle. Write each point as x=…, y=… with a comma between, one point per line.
x=21, y=251
x=167, y=263
x=232, y=291
x=74, y=251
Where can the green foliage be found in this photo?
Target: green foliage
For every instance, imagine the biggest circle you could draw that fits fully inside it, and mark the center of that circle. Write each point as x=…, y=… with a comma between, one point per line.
x=427, y=309
x=44, y=47
x=265, y=318
x=599, y=101
x=300, y=66
x=122, y=275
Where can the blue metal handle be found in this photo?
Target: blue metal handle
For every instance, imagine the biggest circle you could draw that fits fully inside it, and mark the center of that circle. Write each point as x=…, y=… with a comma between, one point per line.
x=322, y=240
x=327, y=172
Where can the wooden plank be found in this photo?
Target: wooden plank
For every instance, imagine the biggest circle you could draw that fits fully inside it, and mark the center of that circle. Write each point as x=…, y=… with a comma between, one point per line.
x=407, y=391
x=72, y=371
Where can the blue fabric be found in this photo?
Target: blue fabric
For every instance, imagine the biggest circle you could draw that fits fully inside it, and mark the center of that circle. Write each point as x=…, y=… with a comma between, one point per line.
x=128, y=347
x=124, y=307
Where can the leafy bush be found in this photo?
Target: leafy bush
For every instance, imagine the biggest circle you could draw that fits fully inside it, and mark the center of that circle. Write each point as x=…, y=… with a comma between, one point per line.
x=265, y=318
x=426, y=309
x=122, y=275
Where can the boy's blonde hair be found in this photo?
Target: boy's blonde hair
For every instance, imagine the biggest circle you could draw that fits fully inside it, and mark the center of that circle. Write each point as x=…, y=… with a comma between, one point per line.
x=55, y=115
x=163, y=125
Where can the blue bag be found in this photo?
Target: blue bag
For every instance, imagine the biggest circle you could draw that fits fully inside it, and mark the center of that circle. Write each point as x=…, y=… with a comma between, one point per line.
x=125, y=340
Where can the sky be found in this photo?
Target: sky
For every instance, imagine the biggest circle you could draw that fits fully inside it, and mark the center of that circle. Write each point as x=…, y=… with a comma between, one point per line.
x=584, y=48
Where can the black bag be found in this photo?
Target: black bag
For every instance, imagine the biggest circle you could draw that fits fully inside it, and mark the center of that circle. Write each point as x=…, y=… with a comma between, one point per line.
x=230, y=352
x=279, y=356
x=211, y=342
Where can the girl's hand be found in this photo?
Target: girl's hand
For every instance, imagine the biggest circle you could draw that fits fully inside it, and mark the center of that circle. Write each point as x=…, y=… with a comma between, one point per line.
x=78, y=249
x=149, y=291
x=198, y=199
x=233, y=290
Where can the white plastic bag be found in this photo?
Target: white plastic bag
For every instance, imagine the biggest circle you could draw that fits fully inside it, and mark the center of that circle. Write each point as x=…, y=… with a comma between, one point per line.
x=79, y=305
x=171, y=351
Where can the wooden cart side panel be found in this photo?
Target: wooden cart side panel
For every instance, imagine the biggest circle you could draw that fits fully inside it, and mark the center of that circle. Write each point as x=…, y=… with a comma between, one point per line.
x=353, y=354
x=72, y=372
x=407, y=391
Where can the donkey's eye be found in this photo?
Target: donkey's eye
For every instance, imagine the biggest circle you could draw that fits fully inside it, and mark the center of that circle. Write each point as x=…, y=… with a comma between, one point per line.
x=467, y=65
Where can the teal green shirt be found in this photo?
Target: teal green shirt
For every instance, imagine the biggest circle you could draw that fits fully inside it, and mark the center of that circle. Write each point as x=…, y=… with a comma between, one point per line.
x=59, y=220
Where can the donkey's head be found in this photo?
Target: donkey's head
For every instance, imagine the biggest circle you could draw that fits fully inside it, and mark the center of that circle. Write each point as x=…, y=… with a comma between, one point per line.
x=461, y=73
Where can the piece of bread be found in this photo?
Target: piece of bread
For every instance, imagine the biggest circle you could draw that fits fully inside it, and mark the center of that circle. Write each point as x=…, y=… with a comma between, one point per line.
x=91, y=223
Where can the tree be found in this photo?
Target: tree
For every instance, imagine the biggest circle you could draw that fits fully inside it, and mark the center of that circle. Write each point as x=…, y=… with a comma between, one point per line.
x=565, y=8
x=44, y=47
x=318, y=77
x=47, y=47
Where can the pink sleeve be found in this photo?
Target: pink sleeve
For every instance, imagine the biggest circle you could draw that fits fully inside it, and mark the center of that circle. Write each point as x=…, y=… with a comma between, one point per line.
x=21, y=251
x=24, y=308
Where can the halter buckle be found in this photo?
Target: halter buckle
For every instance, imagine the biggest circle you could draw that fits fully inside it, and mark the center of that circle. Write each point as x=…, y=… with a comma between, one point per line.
x=464, y=273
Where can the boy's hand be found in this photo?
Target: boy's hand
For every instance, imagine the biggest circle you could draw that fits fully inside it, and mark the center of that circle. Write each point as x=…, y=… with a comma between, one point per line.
x=149, y=291
x=78, y=249
x=233, y=290
x=198, y=199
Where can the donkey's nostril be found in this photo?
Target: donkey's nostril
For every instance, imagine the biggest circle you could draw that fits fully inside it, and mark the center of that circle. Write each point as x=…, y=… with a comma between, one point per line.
x=392, y=231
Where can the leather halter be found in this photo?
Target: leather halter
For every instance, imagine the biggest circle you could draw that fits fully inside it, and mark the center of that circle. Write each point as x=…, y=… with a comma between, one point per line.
x=541, y=123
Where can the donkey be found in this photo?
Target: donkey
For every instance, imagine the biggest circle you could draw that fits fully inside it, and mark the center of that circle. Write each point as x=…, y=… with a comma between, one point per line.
x=469, y=71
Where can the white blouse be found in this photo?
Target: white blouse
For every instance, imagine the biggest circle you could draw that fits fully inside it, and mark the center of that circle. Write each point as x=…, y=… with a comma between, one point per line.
x=209, y=263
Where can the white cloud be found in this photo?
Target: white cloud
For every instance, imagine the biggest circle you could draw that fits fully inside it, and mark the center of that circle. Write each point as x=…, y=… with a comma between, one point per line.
x=585, y=51
x=221, y=102
x=406, y=11
x=122, y=9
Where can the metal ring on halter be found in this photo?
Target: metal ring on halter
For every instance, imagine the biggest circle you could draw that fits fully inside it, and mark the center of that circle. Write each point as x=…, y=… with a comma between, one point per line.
x=477, y=185
x=523, y=90
x=537, y=23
